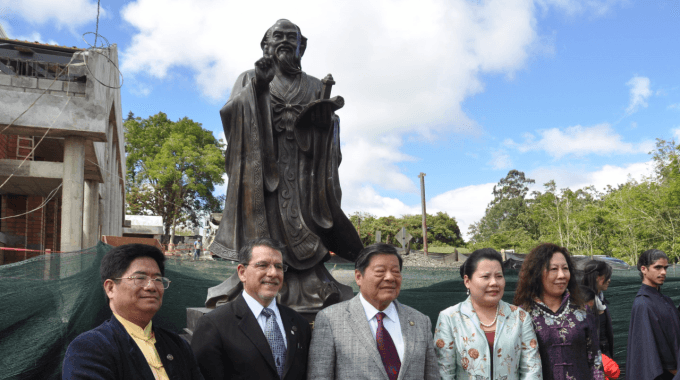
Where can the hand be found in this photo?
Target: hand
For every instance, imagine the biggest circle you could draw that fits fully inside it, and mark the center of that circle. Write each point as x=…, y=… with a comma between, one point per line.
x=264, y=73
x=321, y=116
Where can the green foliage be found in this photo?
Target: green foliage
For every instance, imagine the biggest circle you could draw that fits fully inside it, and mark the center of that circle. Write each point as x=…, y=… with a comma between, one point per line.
x=172, y=169
x=505, y=222
x=622, y=222
x=442, y=229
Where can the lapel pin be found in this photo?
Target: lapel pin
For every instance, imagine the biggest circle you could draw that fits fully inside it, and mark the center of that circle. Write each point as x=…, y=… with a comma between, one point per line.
x=411, y=323
x=170, y=357
x=292, y=332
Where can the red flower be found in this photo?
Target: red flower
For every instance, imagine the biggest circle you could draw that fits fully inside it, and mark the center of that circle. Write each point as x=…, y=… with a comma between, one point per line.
x=440, y=343
x=513, y=307
x=522, y=315
x=464, y=363
x=533, y=343
x=473, y=353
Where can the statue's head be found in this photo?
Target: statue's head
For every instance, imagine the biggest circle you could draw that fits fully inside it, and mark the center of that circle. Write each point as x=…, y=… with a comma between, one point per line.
x=285, y=43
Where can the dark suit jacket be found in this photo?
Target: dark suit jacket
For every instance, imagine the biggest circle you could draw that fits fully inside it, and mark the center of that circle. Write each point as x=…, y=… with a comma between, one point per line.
x=108, y=352
x=229, y=344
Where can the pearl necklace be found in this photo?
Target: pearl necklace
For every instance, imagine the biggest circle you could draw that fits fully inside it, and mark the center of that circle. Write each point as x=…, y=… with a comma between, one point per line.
x=494, y=320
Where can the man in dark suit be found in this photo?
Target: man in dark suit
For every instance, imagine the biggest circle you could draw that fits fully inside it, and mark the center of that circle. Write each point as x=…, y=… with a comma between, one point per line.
x=127, y=346
x=253, y=337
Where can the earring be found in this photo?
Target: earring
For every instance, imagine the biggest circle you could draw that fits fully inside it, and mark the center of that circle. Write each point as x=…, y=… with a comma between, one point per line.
x=468, y=291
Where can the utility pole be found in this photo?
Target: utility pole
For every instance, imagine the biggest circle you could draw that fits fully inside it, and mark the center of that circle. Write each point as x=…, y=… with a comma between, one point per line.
x=422, y=195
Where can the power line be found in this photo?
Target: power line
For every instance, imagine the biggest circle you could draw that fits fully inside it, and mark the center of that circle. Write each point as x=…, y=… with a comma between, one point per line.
x=38, y=144
x=43, y=204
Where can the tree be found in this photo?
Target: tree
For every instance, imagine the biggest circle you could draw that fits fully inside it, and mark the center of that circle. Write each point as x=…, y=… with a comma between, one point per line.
x=172, y=169
x=506, y=211
x=513, y=186
x=442, y=229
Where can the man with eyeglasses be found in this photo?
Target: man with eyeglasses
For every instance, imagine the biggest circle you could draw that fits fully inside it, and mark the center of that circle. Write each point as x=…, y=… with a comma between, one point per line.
x=254, y=337
x=128, y=346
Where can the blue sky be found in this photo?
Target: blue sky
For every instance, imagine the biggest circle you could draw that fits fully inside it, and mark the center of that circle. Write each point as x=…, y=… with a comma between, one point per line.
x=569, y=90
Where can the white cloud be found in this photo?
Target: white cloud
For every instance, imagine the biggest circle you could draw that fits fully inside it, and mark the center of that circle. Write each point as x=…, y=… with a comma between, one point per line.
x=69, y=15
x=141, y=89
x=500, y=160
x=367, y=199
x=365, y=162
x=467, y=204
x=639, y=93
x=578, y=140
x=676, y=133
x=576, y=178
x=675, y=106
x=35, y=37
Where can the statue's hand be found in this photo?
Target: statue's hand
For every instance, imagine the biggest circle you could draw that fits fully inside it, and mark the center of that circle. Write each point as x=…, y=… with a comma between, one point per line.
x=321, y=116
x=264, y=73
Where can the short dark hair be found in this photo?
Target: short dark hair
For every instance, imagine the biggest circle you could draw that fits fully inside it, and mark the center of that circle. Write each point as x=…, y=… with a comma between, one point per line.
x=117, y=261
x=245, y=254
x=365, y=255
x=530, y=283
x=649, y=257
x=594, y=269
x=470, y=265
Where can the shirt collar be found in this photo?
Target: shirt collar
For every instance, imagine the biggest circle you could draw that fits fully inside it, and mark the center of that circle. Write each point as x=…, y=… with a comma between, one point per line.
x=649, y=290
x=371, y=311
x=257, y=307
x=134, y=330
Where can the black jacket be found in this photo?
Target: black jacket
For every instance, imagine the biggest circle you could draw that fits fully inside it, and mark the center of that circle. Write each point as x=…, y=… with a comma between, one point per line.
x=229, y=344
x=108, y=352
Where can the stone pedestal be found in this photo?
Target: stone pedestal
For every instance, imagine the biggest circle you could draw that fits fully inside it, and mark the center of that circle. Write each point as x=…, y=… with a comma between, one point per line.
x=193, y=315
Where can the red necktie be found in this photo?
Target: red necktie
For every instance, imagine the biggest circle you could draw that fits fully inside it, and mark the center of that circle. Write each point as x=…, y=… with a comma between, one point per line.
x=388, y=352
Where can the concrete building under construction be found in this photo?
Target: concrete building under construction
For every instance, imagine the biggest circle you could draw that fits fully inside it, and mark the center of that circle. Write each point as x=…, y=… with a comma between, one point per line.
x=62, y=158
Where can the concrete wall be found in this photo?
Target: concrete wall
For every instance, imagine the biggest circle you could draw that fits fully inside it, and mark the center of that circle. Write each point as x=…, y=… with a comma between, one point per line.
x=90, y=114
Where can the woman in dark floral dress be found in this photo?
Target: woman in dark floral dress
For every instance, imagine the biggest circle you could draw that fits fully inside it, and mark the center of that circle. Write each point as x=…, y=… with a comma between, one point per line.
x=567, y=334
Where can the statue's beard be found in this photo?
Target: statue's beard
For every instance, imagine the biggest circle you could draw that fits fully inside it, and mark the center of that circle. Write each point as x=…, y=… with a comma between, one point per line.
x=287, y=61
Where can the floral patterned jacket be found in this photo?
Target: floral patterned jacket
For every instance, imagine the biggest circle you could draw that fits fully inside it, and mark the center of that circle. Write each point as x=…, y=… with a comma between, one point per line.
x=463, y=351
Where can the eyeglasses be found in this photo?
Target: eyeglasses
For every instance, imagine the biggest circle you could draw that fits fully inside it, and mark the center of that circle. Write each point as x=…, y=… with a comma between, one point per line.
x=264, y=266
x=143, y=280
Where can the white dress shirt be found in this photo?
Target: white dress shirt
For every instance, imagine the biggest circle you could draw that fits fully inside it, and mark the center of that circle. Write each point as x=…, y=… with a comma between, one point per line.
x=391, y=323
x=257, y=308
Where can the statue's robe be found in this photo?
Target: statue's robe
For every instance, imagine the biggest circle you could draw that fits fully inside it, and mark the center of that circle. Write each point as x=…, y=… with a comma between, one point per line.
x=283, y=178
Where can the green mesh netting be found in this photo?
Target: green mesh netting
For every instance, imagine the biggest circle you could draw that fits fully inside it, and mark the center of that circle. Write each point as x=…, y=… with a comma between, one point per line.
x=45, y=302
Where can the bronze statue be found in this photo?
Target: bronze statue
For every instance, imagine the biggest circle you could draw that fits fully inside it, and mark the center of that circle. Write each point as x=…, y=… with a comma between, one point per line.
x=282, y=159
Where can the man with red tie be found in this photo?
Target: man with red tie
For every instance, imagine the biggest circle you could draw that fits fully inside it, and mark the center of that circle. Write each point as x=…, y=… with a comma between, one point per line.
x=373, y=336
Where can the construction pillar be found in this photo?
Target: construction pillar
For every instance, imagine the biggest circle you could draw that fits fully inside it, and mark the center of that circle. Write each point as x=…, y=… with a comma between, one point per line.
x=72, y=194
x=90, y=213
